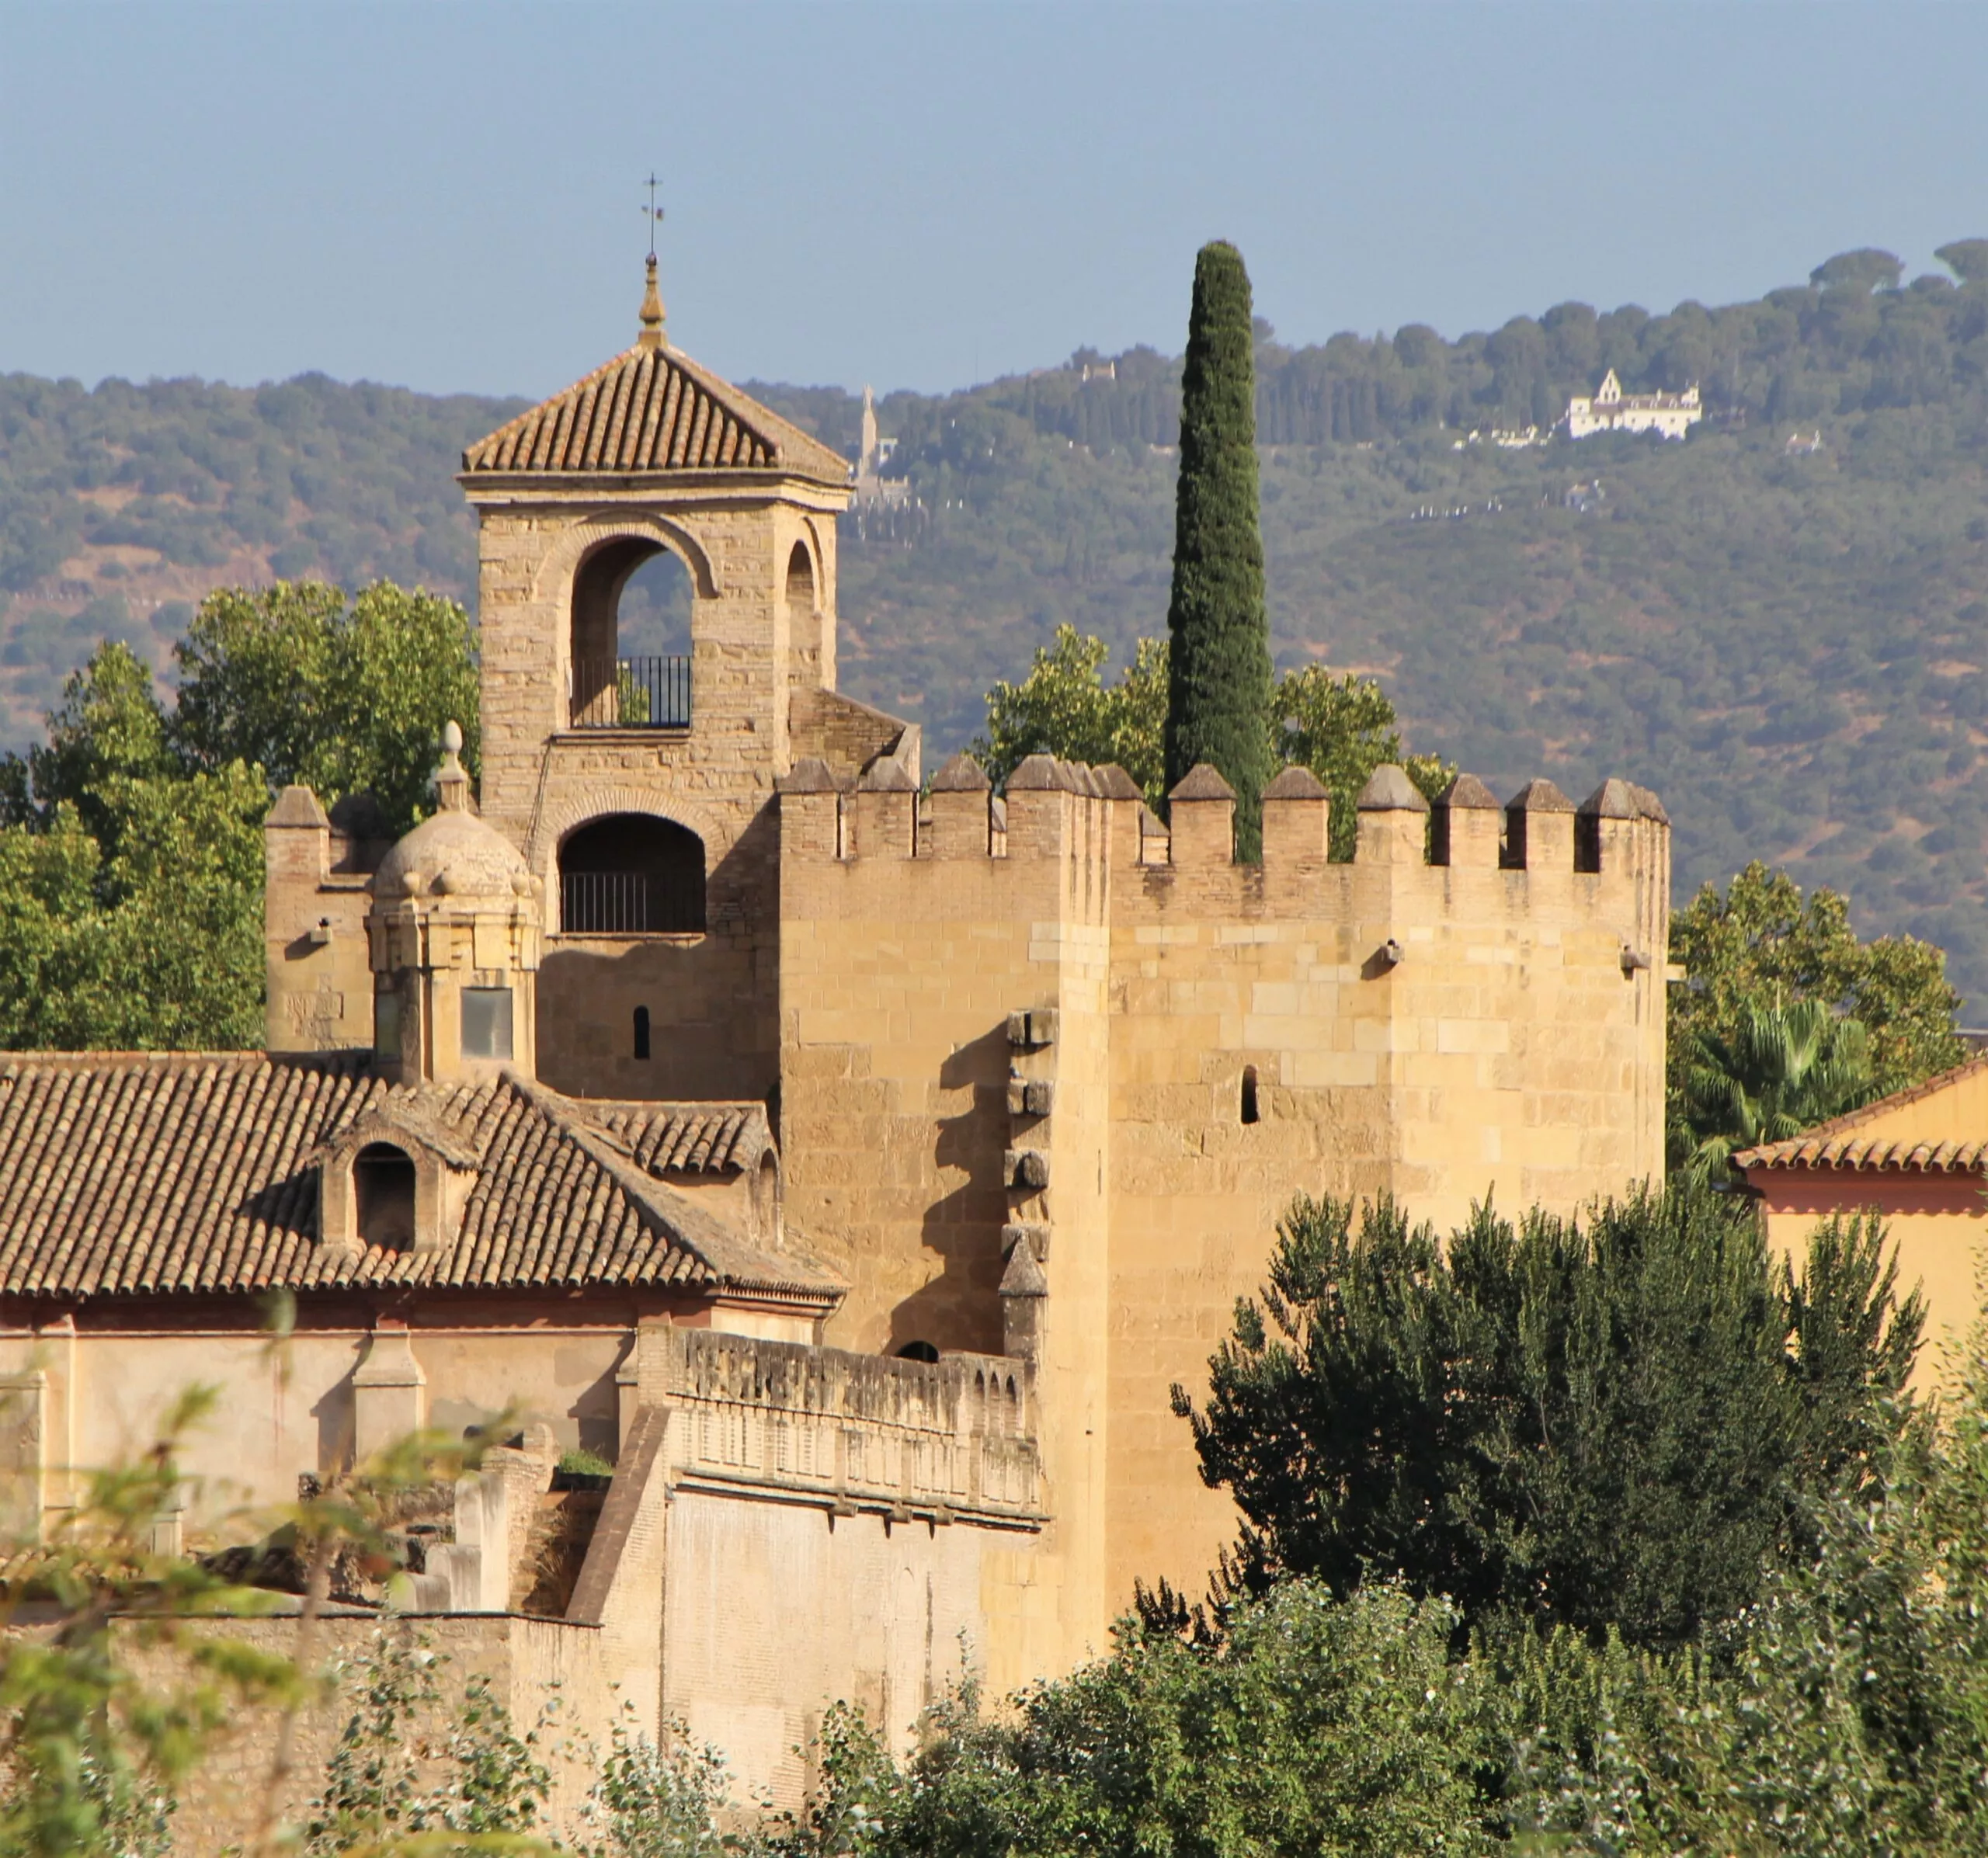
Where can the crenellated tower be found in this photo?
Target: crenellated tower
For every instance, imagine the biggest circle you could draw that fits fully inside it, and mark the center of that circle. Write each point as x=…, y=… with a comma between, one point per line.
x=1052, y=1072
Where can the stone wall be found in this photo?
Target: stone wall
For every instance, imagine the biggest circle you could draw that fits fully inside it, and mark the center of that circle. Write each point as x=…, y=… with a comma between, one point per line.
x=1440, y=1032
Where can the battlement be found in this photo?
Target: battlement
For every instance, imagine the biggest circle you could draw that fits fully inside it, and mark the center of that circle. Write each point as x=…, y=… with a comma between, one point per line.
x=1091, y=822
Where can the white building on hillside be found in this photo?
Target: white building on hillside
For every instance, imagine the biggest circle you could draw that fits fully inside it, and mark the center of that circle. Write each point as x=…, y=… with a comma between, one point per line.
x=1610, y=410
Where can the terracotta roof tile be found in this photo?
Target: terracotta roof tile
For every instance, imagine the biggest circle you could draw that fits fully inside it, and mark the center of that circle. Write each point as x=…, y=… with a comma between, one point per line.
x=1896, y=1154
x=653, y=410
x=144, y=1173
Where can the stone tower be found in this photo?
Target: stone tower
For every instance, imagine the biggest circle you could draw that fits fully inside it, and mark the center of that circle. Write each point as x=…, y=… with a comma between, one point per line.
x=640, y=790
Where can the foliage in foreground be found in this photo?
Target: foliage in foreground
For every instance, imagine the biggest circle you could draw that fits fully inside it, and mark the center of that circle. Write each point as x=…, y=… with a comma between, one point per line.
x=115, y=1683
x=130, y=841
x=1612, y=1423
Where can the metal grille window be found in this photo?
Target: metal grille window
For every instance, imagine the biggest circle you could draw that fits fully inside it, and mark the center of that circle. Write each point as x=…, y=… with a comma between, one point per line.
x=631, y=693
x=629, y=874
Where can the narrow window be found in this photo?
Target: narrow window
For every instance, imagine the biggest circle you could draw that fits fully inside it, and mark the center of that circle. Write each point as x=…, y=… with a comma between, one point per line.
x=917, y=1351
x=641, y=1032
x=486, y=1022
x=383, y=1186
x=1249, y=1093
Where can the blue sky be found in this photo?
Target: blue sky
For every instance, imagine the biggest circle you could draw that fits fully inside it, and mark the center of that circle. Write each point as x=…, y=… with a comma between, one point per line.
x=447, y=195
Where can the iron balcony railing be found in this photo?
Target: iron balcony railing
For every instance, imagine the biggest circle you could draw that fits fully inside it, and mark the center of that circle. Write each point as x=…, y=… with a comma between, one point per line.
x=631, y=693
x=631, y=903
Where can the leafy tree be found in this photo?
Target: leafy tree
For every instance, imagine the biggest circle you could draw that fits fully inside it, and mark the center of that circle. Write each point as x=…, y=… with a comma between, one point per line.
x=1218, y=626
x=1862, y=271
x=1606, y=1424
x=1341, y=728
x=130, y=841
x=1967, y=259
x=1344, y=728
x=1762, y=944
x=1320, y=1726
x=347, y=701
x=1786, y=1069
x=1063, y=707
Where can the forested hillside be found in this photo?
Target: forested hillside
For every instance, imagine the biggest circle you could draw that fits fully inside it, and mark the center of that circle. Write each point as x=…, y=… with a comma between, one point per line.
x=1782, y=624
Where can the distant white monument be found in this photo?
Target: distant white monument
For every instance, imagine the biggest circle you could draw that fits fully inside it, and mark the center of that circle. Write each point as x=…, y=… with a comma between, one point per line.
x=1610, y=410
x=871, y=486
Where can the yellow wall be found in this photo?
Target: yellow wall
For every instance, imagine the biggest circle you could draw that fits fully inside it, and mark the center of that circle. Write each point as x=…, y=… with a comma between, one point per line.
x=1511, y=1051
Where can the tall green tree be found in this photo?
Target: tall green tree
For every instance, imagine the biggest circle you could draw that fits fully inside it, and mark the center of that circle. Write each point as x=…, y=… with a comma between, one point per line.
x=1612, y=1423
x=1217, y=626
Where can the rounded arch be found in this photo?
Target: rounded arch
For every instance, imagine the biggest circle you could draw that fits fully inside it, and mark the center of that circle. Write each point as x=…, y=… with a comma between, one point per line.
x=560, y=821
x=562, y=560
x=633, y=873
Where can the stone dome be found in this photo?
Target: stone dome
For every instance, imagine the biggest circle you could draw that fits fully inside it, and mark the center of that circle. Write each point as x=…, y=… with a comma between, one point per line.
x=454, y=855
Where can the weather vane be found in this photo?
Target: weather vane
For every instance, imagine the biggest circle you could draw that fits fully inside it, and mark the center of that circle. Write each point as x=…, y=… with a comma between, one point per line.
x=652, y=212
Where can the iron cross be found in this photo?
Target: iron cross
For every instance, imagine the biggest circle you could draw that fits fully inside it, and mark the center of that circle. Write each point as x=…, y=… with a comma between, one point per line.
x=652, y=212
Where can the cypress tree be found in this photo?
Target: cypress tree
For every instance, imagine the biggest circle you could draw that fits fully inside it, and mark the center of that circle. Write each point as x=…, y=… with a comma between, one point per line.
x=1218, y=706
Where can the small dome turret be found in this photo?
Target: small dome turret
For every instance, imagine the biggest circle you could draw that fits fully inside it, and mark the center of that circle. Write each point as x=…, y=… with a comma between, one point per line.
x=454, y=930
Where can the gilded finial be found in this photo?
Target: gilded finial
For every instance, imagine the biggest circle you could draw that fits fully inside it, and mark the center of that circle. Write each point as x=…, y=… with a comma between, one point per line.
x=652, y=335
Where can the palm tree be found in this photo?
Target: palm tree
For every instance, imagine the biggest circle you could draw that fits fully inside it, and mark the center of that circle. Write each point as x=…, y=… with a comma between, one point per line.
x=1784, y=1070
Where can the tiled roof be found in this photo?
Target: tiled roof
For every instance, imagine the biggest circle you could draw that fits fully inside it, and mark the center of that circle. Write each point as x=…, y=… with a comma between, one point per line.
x=1868, y=1155
x=653, y=410
x=143, y=1173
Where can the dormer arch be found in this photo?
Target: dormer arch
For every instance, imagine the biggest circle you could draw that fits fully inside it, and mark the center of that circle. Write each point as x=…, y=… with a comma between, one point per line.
x=394, y=1180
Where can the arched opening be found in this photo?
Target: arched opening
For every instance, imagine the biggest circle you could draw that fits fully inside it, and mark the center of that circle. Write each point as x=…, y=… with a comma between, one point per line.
x=1249, y=1093
x=917, y=1351
x=632, y=874
x=383, y=1191
x=630, y=644
x=642, y=1032
x=803, y=623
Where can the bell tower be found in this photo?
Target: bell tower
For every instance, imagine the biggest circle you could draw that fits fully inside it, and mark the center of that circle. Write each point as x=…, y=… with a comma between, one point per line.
x=639, y=788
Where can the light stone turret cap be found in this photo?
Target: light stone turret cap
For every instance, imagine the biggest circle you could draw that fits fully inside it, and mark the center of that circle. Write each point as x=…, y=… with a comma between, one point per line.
x=1115, y=784
x=811, y=775
x=1541, y=796
x=1202, y=781
x=961, y=774
x=1388, y=790
x=1037, y=774
x=886, y=776
x=1297, y=783
x=1612, y=800
x=1467, y=793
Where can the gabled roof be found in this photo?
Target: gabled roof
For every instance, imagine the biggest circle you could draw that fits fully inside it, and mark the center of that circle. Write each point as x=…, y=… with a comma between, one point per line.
x=144, y=1173
x=1905, y=1132
x=652, y=410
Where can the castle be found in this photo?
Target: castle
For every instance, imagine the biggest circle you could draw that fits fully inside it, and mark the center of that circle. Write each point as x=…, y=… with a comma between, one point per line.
x=854, y=1160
